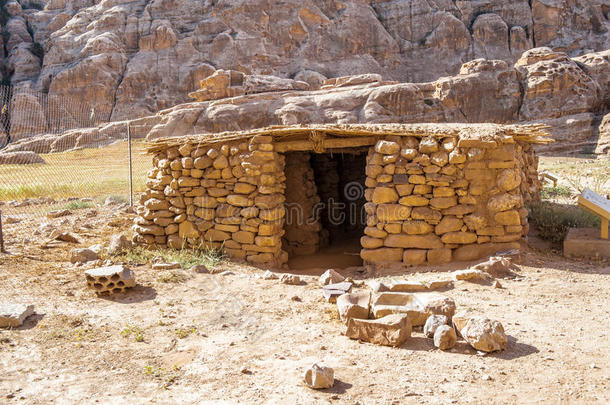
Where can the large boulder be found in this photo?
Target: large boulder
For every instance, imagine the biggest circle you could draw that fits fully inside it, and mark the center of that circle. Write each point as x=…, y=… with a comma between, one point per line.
x=482, y=333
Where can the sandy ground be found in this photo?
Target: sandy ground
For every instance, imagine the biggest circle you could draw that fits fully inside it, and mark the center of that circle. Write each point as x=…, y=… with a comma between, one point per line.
x=236, y=338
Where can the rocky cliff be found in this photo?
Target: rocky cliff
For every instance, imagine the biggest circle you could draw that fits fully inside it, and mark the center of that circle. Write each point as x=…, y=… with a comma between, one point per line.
x=543, y=86
x=132, y=58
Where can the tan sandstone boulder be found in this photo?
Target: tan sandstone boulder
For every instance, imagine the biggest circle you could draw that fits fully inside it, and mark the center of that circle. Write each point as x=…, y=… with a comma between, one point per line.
x=390, y=330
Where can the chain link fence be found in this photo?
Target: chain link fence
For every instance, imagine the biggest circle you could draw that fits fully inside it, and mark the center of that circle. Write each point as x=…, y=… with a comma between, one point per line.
x=55, y=156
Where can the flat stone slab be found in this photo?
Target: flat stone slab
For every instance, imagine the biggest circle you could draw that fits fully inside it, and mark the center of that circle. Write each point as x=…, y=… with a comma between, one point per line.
x=13, y=315
x=586, y=242
x=333, y=291
x=391, y=330
x=354, y=305
x=110, y=279
x=419, y=306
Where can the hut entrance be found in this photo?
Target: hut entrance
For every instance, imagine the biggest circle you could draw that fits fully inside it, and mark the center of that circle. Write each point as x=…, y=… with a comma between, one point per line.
x=325, y=215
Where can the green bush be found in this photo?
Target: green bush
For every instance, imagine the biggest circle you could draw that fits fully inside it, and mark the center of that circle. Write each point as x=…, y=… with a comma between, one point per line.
x=559, y=191
x=554, y=220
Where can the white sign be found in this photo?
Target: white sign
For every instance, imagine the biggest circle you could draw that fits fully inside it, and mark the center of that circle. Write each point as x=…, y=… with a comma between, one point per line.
x=596, y=199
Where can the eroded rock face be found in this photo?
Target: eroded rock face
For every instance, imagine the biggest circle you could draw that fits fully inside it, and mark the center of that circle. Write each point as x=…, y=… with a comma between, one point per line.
x=136, y=58
x=603, y=144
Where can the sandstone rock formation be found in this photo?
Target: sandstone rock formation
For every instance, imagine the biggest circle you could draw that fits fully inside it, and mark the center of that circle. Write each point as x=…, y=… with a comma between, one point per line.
x=543, y=86
x=127, y=59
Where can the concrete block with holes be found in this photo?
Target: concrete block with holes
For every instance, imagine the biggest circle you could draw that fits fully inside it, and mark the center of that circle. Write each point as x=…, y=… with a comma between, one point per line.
x=110, y=279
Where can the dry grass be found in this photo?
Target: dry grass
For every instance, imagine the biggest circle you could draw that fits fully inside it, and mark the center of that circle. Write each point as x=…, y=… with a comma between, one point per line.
x=579, y=172
x=79, y=173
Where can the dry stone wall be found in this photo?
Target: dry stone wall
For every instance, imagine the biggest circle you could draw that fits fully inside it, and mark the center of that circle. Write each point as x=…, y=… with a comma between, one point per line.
x=439, y=200
x=302, y=229
x=228, y=196
x=429, y=200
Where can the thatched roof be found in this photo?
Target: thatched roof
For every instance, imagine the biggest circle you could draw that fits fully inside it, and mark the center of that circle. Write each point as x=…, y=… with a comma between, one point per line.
x=534, y=133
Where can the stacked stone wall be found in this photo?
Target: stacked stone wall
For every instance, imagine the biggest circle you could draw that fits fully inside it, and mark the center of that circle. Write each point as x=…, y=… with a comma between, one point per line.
x=428, y=200
x=228, y=196
x=438, y=200
x=302, y=224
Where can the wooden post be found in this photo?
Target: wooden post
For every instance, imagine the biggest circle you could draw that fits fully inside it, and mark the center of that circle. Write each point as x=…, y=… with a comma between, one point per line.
x=604, y=228
x=130, y=166
x=1, y=235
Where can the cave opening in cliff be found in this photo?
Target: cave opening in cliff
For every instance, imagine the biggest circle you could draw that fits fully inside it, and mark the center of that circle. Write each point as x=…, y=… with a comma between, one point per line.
x=325, y=216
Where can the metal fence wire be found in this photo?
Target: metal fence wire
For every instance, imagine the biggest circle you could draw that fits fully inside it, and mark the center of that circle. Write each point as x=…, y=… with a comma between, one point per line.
x=56, y=154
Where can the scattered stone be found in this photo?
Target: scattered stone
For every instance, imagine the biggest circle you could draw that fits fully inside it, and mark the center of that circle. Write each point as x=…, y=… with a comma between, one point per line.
x=433, y=323
x=199, y=268
x=391, y=330
x=331, y=277
x=514, y=255
x=406, y=286
x=58, y=213
x=484, y=334
x=419, y=306
x=11, y=220
x=269, y=275
x=110, y=279
x=13, y=315
x=497, y=284
x=332, y=291
x=65, y=237
x=82, y=256
x=98, y=248
x=110, y=201
x=296, y=298
x=166, y=266
x=497, y=266
x=354, y=305
x=472, y=275
x=445, y=337
x=291, y=279
x=215, y=270
x=118, y=242
x=376, y=286
x=459, y=320
x=439, y=285
x=244, y=370
x=319, y=377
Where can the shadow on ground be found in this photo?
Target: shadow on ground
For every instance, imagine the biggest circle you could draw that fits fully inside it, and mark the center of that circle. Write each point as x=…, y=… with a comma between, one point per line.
x=139, y=293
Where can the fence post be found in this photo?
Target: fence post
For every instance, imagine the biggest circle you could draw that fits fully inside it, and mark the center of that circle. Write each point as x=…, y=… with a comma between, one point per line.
x=1, y=235
x=130, y=165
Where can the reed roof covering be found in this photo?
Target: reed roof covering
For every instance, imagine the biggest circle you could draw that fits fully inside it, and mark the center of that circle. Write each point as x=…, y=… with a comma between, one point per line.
x=532, y=133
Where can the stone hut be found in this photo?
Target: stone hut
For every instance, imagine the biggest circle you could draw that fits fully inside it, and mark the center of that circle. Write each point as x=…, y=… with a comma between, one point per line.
x=395, y=193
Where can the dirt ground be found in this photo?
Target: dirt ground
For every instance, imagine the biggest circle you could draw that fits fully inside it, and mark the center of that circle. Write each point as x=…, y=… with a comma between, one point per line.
x=237, y=338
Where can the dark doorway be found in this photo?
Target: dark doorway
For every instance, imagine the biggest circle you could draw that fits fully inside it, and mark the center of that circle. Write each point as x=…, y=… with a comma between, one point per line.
x=324, y=209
